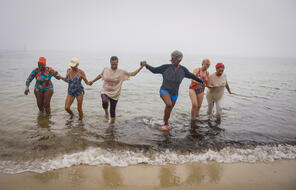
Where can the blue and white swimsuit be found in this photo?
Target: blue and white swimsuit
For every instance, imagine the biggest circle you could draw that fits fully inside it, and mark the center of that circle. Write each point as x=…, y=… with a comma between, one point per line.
x=75, y=87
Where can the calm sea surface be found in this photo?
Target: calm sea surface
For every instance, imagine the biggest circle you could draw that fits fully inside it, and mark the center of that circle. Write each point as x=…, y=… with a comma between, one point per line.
x=258, y=121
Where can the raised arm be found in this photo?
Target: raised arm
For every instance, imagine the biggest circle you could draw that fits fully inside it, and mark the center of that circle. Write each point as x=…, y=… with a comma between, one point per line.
x=136, y=71
x=155, y=70
x=191, y=76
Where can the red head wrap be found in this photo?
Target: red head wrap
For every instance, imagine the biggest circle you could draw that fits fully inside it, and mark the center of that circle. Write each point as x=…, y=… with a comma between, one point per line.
x=42, y=60
x=219, y=65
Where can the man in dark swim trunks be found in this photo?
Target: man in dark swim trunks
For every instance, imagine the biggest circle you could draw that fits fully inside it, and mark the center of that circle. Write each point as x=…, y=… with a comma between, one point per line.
x=172, y=74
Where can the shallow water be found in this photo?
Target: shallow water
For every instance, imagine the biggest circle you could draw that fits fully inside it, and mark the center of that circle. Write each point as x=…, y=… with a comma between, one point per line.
x=258, y=121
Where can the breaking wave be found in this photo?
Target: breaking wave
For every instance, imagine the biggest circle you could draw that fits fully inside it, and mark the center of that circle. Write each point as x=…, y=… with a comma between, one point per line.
x=99, y=156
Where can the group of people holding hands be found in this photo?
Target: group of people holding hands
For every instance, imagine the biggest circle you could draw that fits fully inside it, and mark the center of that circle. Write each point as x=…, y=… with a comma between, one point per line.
x=113, y=77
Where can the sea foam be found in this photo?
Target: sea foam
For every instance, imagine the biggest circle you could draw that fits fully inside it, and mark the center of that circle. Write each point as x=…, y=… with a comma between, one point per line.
x=98, y=156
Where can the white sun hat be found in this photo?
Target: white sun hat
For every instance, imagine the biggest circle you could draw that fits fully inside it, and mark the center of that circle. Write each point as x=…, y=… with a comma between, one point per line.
x=74, y=62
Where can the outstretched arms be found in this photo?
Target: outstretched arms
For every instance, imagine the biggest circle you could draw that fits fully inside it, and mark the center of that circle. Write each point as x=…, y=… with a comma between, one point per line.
x=137, y=71
x=155, y=70
x=82, y=75
x=54, y=73
x=97, y=78
x=64, y=78
x=191, y=76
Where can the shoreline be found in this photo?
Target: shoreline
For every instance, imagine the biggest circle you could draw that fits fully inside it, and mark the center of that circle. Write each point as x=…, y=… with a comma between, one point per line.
x=279, y=174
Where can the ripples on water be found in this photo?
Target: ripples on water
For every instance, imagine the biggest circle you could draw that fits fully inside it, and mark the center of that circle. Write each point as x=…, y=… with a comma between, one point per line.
x=258, y=121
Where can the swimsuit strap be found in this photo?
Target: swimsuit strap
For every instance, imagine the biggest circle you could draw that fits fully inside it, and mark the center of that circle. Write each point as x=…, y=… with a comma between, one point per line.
x=75, y=76
x=207, y=75
x=78, y=75
x=199, y=75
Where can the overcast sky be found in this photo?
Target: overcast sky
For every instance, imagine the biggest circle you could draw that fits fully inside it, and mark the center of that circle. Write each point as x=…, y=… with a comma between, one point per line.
x=208, y=27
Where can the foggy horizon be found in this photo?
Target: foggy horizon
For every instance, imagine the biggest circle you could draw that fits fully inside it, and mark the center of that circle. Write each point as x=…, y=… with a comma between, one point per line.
x=217, y=28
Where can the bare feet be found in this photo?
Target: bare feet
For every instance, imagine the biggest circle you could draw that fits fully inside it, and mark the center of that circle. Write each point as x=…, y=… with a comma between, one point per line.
x=106, y=117
x=112, y=120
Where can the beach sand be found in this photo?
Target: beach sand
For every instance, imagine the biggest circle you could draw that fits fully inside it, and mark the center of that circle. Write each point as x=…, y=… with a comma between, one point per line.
x=211, y=175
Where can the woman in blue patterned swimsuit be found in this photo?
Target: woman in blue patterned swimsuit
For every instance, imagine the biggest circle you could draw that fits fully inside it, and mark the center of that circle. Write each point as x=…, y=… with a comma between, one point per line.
x=75, y=88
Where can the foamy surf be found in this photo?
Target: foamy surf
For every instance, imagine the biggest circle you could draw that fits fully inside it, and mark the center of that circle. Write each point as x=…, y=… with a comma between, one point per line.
x=98, y=156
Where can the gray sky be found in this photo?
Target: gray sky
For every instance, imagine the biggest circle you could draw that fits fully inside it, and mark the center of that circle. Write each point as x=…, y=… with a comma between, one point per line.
x=209, y=27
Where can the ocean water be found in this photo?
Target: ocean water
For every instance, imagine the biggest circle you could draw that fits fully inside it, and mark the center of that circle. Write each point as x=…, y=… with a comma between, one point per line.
x=258, y=120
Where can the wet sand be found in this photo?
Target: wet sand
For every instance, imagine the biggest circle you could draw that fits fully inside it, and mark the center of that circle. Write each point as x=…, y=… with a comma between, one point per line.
x=211, y=175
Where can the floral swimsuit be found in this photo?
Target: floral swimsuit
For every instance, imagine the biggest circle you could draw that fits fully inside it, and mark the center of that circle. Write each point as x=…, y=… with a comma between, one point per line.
x=198, y=87
x=75, y=87
x=43, y=82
